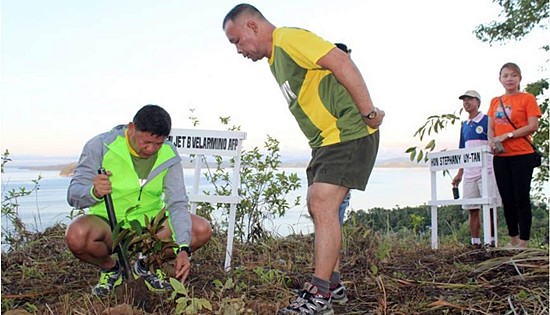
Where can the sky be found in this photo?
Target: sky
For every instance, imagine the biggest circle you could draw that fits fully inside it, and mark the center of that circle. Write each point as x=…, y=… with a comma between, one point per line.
x=72, y=69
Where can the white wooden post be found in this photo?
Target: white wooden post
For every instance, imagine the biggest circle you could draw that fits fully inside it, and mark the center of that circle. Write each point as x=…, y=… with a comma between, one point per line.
x=433, y=179
x=463, y=158
x=204, y=143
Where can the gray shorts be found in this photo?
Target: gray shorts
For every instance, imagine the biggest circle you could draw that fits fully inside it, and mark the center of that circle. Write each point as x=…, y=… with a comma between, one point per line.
x=472, y=189
x=348, y=164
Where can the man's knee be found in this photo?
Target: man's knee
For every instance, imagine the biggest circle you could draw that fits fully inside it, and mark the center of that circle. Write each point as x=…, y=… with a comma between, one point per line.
x=76, y=236
x=205, y=229
x=80, y=231
x=202, y=230
x=323, y=197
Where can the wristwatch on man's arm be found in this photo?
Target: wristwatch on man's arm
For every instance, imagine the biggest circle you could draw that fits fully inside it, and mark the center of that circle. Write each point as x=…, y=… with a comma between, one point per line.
x=370, y=115
x=184, y=248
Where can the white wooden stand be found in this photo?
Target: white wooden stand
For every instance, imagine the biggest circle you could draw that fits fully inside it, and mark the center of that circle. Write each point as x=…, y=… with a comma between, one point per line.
x=463, y=158
x=203, y=143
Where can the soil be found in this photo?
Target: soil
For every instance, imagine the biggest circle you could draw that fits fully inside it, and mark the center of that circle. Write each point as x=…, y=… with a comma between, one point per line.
x=383, y=275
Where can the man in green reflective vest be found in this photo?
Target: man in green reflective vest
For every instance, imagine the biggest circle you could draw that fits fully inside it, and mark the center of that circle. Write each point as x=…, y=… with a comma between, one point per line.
x=144, y=176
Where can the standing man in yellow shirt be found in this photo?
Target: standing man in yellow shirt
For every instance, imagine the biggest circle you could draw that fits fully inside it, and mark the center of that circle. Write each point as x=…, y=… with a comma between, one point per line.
x=331, y=103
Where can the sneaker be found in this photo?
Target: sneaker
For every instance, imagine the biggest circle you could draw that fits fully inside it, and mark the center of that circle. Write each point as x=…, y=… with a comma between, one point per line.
x=339, y=294
x=156, y=282
x=309, y=302
x=108, y=281
x=475, y=246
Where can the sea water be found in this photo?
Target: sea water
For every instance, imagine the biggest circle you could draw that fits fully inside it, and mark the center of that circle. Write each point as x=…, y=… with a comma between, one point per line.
x=388, y=188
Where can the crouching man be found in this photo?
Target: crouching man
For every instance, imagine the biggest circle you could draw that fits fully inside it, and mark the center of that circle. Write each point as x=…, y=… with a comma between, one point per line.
x=144, y=174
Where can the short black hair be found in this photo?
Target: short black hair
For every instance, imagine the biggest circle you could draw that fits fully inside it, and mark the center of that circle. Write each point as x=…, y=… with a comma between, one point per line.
x=343, y=47
x=240, y=9
x=153, y=119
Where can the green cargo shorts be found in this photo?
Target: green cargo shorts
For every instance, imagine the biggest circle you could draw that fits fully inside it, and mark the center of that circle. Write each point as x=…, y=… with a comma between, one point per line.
x=348, y=164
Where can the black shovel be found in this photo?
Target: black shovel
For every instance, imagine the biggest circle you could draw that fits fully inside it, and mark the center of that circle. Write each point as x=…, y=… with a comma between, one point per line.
x=138, y=288
x=127, y=270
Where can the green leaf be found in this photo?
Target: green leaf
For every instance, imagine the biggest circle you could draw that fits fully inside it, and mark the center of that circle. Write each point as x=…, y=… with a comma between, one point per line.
x=136, y=226
x=178, y=286
x=159, y=218
x=229, y=284
x=206, y=304
x=420, y=156
x=413, y=154
x=217, y=283
x=132, y=209
x=422, y=134
x=431, y=145
x=374, y=269
x=180, y=307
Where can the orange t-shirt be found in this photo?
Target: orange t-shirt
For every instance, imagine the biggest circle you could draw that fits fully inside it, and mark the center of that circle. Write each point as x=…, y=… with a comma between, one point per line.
x=519, y=107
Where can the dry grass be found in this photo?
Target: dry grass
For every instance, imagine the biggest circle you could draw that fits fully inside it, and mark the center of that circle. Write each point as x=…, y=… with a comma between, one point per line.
x=384, y=275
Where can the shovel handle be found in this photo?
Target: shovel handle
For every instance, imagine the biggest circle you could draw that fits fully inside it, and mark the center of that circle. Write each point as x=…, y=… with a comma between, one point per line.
x=113, y=222
x=109, y=205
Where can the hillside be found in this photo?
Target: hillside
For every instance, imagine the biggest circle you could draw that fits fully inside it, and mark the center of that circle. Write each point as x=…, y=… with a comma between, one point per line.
x=383, y=274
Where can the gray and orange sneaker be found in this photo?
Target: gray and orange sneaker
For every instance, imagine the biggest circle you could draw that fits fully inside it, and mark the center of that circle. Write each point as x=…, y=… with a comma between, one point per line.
x=309, y=302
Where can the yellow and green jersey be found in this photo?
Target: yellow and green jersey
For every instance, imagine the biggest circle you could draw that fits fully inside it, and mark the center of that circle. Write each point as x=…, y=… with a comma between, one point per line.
x=323, y=108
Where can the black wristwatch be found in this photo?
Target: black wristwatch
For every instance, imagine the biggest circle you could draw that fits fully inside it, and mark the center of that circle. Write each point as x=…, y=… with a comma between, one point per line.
x=370, y=115
x=184, y=248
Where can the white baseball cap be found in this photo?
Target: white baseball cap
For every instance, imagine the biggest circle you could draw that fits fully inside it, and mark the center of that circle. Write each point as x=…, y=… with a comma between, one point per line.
x=470, y=93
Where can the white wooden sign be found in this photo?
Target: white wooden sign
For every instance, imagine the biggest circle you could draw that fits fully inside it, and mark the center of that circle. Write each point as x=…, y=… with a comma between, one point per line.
x=213, y=143
x=463, y=158
x=207, y=142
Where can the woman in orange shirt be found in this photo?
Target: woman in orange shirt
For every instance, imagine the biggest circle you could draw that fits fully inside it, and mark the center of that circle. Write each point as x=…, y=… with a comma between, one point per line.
x=513, y=162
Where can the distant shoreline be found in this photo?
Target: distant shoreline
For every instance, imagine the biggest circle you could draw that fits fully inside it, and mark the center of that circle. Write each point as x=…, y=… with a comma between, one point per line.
x=68, y=168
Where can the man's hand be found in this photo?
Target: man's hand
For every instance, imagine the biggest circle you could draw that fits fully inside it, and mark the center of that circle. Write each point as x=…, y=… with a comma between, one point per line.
x=183, y=266
x=456, y=180
x=376, y=121
x=102, y=185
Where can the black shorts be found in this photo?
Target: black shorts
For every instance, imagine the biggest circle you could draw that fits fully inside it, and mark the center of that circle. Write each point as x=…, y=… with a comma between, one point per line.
x=348, y=164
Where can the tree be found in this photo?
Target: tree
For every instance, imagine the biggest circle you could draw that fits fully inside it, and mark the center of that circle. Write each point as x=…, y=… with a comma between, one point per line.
x=15, y=232
x=540, y=138
x=520, y=18
x=265, y=190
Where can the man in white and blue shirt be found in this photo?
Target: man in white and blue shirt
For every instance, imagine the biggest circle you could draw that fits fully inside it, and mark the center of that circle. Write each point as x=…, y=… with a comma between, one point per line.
x=473, y=133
